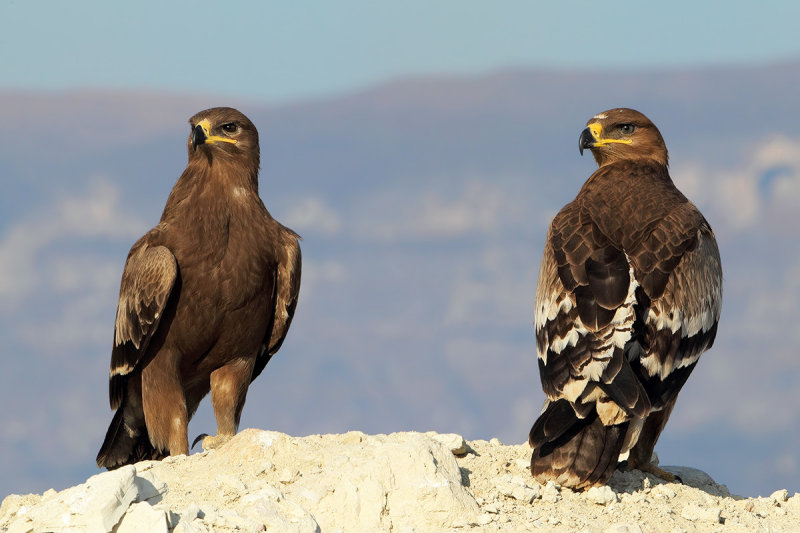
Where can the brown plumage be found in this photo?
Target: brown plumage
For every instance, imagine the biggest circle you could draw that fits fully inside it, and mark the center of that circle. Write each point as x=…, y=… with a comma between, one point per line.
x=629, y=296
x=206, y=299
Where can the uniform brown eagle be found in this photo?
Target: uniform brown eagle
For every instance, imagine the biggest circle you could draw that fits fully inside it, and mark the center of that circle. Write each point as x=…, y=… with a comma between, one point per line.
x=206, y=299
x=629, y=296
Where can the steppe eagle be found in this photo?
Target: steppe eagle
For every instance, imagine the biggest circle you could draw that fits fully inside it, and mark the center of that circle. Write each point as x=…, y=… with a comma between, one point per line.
x=206, y=299
x=629, y=296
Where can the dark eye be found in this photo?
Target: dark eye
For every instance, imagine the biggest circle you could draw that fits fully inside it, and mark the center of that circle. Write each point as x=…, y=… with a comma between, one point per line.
x=230, y=127
x=627, y=129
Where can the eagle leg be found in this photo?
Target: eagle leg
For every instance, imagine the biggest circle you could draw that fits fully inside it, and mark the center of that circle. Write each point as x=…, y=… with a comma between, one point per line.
x=228, y=393
x=642, y=451
x=164, y=406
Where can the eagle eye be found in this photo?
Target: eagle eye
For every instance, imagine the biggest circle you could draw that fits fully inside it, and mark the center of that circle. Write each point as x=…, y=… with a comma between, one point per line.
x=627, y=129
x=230, y=127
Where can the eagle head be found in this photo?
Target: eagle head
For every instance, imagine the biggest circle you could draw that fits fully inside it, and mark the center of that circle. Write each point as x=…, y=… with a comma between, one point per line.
x=223, y=132
x=622, y=134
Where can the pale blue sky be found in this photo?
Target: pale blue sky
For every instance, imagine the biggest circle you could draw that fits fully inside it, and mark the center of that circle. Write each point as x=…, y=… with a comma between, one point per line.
x=278, y=51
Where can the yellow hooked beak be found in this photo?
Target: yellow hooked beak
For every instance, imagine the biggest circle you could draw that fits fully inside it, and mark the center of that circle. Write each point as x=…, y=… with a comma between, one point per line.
x=201, y=135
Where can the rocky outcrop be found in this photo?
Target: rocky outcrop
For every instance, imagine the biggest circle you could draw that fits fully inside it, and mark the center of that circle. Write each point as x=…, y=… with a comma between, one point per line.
x=403, y=482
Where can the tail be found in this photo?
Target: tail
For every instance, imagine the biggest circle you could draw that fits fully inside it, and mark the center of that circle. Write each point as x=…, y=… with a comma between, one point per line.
x=124, y=445
x=574, y=452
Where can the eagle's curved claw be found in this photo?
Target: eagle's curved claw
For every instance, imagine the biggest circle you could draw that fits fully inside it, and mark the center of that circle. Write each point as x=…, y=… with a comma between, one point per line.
x=200, y=437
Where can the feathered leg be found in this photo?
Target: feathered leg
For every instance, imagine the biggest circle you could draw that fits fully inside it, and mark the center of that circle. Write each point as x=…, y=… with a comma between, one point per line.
x=228, y=394
x=164, y=405
x=642, y=451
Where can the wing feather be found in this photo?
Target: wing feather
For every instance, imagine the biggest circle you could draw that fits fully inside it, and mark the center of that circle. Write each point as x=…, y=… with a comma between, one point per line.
x=285, y=294
x=147, y=280
x=682, y=323
x=585, y=315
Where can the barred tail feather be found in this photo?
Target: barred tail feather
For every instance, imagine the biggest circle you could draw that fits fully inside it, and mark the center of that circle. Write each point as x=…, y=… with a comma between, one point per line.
x=574, y=452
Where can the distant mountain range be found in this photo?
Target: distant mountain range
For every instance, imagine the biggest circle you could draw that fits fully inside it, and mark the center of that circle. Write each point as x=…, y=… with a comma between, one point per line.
x=423, y=205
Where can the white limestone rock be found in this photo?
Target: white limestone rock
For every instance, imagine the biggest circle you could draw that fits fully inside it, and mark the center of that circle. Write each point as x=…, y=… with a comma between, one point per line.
x=623, y=528
x=695, y=513
x=269, y=507
x=96, y=505
x=191, y=526
x=403, y=482
x=698, y=479
x=453, y=442
x=376, y=483
x=517, y=488
x=148, y=487
x=779, y=496
x=551, y=492
x=602, y=495
x=142, y=517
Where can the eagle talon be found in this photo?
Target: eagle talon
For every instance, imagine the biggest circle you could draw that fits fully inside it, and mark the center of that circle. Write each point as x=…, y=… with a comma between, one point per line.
x=197, y=439
x=210, y=443
x=650, y=468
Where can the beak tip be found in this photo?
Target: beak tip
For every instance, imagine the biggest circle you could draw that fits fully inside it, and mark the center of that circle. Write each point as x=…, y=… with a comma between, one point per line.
x=198, y=137
x=586, y=140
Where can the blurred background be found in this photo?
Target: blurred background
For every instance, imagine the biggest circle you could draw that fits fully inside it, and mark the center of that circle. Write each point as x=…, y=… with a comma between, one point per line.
x=421, y=149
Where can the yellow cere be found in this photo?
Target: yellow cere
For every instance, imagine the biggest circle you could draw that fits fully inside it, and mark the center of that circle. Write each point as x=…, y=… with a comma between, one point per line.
x=206, y=125
x=597, y=130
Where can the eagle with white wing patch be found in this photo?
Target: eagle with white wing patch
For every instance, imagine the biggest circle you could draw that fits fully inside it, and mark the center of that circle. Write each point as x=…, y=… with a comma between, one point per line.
x=629, y=296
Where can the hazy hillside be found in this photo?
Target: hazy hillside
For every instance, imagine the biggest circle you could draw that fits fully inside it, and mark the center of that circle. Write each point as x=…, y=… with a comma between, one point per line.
x=423, y=206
